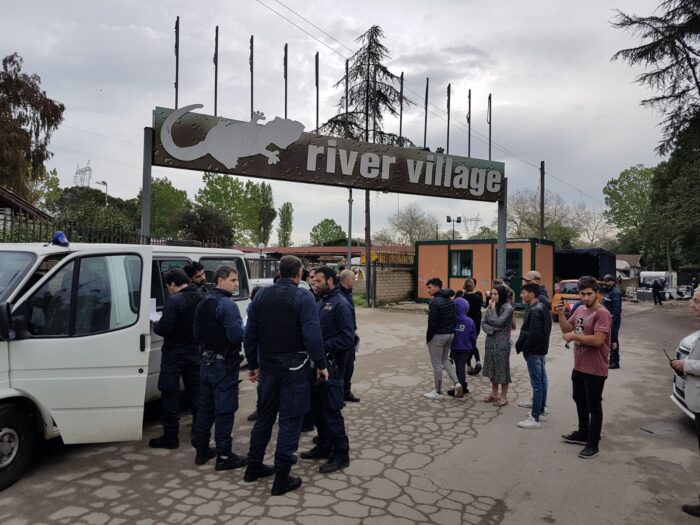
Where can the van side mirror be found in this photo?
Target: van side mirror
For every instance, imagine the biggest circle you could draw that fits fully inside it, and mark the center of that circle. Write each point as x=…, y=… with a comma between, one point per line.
x=5, y=322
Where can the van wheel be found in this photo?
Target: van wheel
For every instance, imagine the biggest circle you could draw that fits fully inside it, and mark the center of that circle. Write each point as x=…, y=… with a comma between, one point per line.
x=17, y=440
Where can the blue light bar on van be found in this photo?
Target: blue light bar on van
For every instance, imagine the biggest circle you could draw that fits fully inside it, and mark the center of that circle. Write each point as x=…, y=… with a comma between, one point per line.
x=59, y=238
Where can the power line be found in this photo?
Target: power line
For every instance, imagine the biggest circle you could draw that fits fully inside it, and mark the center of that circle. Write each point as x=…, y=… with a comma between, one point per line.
x=478, y=135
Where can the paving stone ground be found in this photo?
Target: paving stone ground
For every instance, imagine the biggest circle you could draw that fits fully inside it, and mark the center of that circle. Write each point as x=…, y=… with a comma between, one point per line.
x=402, y=467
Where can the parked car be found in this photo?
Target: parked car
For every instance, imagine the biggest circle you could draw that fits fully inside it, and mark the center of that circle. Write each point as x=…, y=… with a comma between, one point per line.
x=566, y=291
x=678, y=389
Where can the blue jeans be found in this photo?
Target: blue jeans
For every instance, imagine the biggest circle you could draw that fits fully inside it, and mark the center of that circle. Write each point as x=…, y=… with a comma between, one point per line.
x=217, y=402
x=538, y=379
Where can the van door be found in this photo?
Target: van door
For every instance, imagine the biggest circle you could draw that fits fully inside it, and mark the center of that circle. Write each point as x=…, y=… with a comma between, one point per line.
x=83, y=342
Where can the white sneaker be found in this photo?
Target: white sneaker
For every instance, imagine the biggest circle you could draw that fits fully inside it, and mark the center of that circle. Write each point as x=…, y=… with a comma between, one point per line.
x=543, y=417
x=546, y=410
x=459, y=391
x=525, y=404
x=433, y=394
x=530, y=422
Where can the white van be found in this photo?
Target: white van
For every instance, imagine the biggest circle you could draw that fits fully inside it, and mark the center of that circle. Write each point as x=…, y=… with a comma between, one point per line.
x=77, y=355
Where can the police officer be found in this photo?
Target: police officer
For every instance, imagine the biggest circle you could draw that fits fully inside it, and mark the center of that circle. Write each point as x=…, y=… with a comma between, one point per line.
x=282, y=333
x=327, y=398
x=612, y=300
x=179, y=355
x=195, y=272
x=345, y=286
x=218, y=328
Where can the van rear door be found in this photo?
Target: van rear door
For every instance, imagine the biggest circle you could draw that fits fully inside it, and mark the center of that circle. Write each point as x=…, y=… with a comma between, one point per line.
x=82, y=343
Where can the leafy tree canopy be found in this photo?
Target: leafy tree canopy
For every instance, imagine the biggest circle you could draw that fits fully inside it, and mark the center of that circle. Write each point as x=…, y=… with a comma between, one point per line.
x=326, y=231
x=28, y=117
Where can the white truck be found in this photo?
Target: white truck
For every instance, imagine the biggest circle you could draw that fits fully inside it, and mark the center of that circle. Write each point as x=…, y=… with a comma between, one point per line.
x=78, y=358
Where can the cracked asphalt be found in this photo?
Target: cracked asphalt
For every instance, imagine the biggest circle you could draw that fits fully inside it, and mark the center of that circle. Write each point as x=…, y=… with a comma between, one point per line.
x=412, y=460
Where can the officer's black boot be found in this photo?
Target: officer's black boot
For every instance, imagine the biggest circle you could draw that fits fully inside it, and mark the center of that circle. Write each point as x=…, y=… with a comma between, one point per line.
x=230, y=461
x=255, y=472
x=165, y=441
x=204, y=455
x=614, y=359
x=284, y=483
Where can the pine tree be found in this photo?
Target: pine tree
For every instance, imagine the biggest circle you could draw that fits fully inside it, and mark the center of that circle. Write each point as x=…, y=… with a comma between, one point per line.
x=672, y=54
x=372, y=93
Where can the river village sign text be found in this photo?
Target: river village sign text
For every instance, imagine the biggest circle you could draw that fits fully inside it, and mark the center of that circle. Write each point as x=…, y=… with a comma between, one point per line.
x=281, y=150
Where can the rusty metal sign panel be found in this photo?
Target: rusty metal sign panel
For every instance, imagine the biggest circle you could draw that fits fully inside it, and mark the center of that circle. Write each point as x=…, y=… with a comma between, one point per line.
x=280, y=150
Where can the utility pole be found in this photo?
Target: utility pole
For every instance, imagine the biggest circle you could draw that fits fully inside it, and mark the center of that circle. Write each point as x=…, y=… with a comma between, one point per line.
x=542, y=200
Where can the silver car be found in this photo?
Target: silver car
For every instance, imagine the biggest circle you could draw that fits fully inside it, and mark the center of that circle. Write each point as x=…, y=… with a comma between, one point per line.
x=682, y=352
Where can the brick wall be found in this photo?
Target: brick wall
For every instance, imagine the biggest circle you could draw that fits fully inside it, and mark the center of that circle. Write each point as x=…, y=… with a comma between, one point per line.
x=395, y=284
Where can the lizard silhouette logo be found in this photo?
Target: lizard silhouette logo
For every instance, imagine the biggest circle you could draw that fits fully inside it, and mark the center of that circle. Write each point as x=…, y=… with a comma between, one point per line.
x=230, y=140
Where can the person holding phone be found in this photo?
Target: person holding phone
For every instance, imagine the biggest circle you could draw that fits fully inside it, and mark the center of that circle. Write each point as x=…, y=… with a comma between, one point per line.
x=589, y=329
x=690, y=367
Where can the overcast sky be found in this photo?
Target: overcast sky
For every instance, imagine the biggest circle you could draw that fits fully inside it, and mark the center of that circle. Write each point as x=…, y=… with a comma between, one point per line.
x=556, y=95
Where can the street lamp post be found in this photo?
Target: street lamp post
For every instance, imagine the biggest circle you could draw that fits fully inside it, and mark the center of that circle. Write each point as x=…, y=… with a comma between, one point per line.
x=453, y=220
x=103, y=183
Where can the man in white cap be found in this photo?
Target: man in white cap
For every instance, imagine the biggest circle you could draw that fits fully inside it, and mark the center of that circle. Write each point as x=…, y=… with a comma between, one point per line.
x=533, y=276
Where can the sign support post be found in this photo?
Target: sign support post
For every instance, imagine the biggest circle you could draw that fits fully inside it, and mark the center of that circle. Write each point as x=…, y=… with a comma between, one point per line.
x=502, y=231
x=146, y=186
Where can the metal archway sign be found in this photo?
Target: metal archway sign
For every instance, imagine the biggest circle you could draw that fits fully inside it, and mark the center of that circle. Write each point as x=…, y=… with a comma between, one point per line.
x=280, y=150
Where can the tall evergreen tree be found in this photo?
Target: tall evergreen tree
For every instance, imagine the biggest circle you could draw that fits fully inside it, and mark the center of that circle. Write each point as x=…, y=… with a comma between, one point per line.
x=284, y=231
x=372, y=93
x=671, y=54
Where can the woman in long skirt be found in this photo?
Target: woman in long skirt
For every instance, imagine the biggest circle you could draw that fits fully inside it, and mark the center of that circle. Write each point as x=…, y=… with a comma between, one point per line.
x=496, y=324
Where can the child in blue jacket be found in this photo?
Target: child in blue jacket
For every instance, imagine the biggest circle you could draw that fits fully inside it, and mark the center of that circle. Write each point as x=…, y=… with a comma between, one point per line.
x=464, y=341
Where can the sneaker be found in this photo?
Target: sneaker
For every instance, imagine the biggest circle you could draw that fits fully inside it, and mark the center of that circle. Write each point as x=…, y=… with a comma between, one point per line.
x=589, y=451
x=530, y=422
x=253, y=416
x=543, y=417
x=477, y=369
x=433, y=394
x=284, y=483
x=525, y=404
x=451, y=392
x=459, y=391
x=575, y=437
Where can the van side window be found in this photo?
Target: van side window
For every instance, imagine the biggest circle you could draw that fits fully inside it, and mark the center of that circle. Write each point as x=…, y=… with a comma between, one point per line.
x=43, y=268
x=47, y=311
x=88, y=296
x=159, y=291
x=211, y=264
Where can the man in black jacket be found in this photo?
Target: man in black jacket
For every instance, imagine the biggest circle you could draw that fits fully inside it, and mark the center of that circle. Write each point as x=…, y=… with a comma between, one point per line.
x=327, y=397
x=533, y=342
x=345, y=286
x=179, y=355
x=441, y=325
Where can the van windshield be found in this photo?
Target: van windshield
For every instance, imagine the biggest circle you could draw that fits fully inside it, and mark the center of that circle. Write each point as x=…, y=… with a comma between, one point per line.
x=14, y=266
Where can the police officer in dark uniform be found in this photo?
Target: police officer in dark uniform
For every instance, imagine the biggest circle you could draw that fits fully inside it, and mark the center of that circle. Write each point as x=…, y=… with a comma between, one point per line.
x=345, y=286
x=179, y=355
x=327, y=397
x=218, y=328
x=282, y=333
x=612, y=300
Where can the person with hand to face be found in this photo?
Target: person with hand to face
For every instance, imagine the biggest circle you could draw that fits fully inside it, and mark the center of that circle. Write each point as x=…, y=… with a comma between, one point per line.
x=690, y=367
x=496, y=323
x=589, y=328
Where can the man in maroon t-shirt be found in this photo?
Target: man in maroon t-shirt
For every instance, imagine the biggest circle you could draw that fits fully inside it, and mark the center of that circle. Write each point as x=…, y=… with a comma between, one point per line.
x=589, y=328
